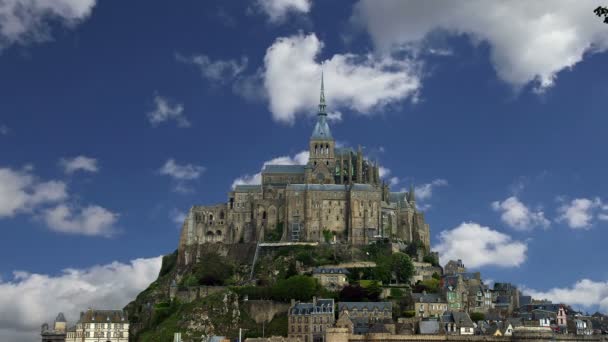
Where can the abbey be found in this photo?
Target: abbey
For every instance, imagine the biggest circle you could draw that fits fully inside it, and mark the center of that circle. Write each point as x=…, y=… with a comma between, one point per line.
x=336, y=197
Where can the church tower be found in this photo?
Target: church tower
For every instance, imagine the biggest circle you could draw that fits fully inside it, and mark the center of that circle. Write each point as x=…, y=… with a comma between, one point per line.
x=321, y=161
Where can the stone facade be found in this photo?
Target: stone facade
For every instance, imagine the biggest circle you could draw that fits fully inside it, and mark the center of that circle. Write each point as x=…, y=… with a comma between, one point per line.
x=308, y=322
x=333, y=279
x=100, y=325
x=337, y=196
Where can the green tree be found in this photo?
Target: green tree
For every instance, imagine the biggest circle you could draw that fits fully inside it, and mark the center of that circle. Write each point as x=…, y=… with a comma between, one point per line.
x=477, y=316
x=298, y=287
x=401, y=266
x=213, y=270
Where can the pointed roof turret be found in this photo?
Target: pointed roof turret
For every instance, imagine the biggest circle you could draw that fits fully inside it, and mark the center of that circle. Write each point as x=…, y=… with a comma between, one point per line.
x=411, y=195
x=322, y=130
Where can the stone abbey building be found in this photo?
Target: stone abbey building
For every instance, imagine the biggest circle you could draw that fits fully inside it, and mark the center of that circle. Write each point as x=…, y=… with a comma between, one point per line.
x=338, y=195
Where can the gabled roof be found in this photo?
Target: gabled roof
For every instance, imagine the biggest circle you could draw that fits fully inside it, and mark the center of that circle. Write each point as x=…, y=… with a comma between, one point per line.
x=283, y=169
x=329, y=187
x=248, y=188
x=427, y=298
x=103, y=316
x=320, y=270
x=322, y=306
x=370, y=306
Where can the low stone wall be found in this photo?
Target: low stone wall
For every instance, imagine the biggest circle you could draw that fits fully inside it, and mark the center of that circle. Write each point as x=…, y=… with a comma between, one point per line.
x=340, y=337
x=264, y=310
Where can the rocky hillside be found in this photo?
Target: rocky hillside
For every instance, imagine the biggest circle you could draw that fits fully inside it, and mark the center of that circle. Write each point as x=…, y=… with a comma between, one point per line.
x=217, y=295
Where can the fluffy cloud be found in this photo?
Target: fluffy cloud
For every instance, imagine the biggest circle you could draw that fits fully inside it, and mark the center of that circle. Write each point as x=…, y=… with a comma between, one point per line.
x=24, y=21
x=219, y=70
x=81, y=163
x=585, y=292
x=580, y=212
x=530, y=41
x=299, y=159
x=20, y=191
x=91, y=220
x=181, y=172
x=517, y=215
x=277, y=10
x=360, y=83
x=164, y=111
x=480, y=246
x=36, y=298
x=425, y=191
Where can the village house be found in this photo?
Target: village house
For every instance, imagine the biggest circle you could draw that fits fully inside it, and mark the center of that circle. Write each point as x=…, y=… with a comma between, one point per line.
x=308, y=321
x=428, y=304
x=332, y=279
x=457, y=323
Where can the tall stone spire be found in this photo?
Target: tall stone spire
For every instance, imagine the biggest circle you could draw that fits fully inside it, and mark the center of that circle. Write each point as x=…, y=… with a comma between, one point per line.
x=321, y=130
x=322, y=98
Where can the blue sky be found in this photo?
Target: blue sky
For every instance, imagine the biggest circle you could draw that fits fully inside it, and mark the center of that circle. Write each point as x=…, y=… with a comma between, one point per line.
x=115, y=118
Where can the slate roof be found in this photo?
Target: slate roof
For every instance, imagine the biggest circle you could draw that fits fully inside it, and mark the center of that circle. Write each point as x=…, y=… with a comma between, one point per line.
x=427, y=298
x=430, y=327
x=321, y=130
x=323, y=306
x=320, y=270
x=329, y=187
x=248, y=188
x=283, y=169
x=461, y=319
x=103, y=316
x=60, y=318
x=370, y=306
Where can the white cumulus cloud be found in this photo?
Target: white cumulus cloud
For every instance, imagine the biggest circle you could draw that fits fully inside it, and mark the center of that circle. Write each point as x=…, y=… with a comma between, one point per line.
x=425, y=191
x=181, y=172
x=300, y=158
x=361, y=83
x=35, y=298
x=479, y=246
x=79, y=163
x=580, y=212
x=20, y=191
x=517, y=215
x=165, y=111
x=25, y=21
x=92, y=220
x=530, y=41
x=277, y=10
x=588, y=293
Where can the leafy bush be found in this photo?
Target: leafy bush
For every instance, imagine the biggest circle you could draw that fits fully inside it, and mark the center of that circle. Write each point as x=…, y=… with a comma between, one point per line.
x=431, y=259
x=213, y=270
x=396, y=293
x=409, y=313
x=169, y=262
x=477, y=316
